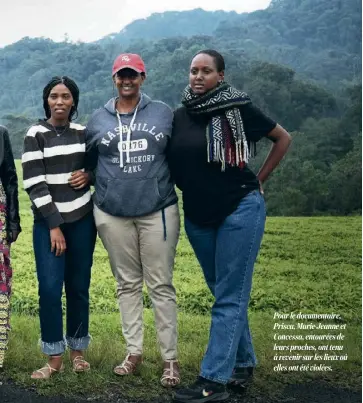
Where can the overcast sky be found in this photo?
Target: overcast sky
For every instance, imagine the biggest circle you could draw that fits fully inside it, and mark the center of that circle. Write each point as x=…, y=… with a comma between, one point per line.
x=89, y=20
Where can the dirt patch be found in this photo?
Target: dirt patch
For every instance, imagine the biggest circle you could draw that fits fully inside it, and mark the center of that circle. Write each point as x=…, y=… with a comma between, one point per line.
x=312, y=392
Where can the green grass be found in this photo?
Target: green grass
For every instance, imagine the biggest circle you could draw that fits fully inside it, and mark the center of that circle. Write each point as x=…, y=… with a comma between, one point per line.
x=305, y=264
x=107, y=349
x=310, y=264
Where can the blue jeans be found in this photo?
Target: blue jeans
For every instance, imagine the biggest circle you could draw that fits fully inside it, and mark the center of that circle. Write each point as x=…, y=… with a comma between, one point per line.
x=227, y=255
x=73, y=269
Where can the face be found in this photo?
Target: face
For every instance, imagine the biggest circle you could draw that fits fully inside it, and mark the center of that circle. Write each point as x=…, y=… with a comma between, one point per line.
x=60, y=102
x=128, y=83
x=203, y=74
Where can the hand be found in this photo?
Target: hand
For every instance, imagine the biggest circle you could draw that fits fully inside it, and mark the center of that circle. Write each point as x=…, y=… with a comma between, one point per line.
x=78, y=179
x=13, y=235
x=261, y=188
x=57, y=241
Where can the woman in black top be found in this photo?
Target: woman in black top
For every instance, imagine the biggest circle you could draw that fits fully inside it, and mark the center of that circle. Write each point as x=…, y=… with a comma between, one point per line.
x=214, y=133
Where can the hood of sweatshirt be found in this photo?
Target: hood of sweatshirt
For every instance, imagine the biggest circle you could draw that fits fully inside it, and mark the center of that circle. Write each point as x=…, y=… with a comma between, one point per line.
x=110, y=105
x=132, y=177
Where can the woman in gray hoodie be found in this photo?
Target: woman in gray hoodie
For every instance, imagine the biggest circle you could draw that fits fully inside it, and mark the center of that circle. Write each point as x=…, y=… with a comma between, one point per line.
x=136, y=210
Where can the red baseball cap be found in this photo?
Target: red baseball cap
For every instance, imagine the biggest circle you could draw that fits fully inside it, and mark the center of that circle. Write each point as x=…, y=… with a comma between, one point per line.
x=128, y=61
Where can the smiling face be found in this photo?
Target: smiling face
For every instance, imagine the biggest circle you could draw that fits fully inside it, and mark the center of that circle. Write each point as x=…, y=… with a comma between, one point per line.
x=204, y=75
x=128, y=83
x=60, y=103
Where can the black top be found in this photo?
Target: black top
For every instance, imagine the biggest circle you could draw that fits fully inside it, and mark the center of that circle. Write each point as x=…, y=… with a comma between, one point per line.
x=210, y=195
x=9, y=180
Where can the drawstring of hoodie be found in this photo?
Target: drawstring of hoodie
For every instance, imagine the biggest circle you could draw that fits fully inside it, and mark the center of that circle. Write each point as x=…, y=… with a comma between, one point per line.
x=164, y=222
x=128, y=136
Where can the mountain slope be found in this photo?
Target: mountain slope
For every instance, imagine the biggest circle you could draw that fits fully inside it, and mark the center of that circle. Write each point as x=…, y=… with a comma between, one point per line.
x=299, y=34
x=170, y=24
x=320, y=39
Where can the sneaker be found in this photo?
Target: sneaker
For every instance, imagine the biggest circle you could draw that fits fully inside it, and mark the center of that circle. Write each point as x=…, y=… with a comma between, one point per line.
x=241, y=377
x=202, y=391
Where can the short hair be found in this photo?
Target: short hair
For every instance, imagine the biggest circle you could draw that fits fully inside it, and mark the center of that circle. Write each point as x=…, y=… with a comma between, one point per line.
x=218, y=58
x=70, y=84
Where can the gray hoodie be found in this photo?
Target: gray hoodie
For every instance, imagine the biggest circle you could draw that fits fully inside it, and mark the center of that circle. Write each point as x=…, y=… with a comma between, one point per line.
x=136, y=181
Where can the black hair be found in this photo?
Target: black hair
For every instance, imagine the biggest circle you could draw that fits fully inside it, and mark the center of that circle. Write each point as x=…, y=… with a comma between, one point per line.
x=218, y=58
x=70, y=84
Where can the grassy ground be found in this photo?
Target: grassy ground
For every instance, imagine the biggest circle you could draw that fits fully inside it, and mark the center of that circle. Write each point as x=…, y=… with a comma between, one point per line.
x=305, y=264
x=107, y=350
x=308, y=263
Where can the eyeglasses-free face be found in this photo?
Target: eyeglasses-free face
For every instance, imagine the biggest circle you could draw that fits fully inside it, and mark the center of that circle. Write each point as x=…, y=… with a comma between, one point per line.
x=203, y=75
x=128, y=82
x=60, y=103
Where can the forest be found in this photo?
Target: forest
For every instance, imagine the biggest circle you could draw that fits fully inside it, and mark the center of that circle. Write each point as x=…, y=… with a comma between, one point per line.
x=299, y=60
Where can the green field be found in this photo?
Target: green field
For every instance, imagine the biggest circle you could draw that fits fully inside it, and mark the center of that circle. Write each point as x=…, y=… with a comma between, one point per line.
x=310, y=264
x=306, y=263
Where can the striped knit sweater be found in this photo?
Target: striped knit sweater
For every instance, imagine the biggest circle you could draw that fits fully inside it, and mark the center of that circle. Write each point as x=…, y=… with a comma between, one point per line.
x=48, y=160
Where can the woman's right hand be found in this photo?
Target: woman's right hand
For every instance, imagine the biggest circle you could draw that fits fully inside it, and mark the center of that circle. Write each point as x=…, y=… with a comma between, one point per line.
x=79, y=179
x=58, y=243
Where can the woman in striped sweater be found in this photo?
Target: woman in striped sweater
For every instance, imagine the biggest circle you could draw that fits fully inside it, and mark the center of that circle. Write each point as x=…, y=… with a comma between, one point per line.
x=64, y=232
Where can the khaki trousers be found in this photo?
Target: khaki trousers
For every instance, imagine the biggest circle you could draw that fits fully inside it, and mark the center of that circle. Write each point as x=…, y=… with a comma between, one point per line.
x=143, y=248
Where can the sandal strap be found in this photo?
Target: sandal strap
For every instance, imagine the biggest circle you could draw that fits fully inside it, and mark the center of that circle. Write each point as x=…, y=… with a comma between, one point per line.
x=127, y=365
x=48, y=368
x=79, y=357
x=171, y=373
x=42, y=370
x=80, y=363
x=79, y=360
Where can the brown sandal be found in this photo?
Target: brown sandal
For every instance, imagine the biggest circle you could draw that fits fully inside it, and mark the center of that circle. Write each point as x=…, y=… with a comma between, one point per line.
x=79, y=364
x=129, y=365
x=171, y=374
x=46, y=372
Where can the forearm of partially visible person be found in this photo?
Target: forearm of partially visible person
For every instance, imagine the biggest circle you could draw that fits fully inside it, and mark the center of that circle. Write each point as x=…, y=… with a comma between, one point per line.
x=281, y=142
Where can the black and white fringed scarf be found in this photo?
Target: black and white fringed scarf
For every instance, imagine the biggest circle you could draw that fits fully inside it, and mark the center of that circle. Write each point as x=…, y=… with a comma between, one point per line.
x=226, y=138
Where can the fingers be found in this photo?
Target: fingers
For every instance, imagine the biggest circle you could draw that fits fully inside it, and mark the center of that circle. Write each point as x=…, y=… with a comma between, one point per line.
x=14, y=235
x=60, y=247
x=76, y=174
x=57, y=241
x=78, y=180
x=261, y=188
x=78, y=186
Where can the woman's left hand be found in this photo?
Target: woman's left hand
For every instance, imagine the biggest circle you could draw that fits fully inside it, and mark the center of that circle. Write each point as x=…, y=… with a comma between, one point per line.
x=261, y=188
x=13, y=235
x=78, y=179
